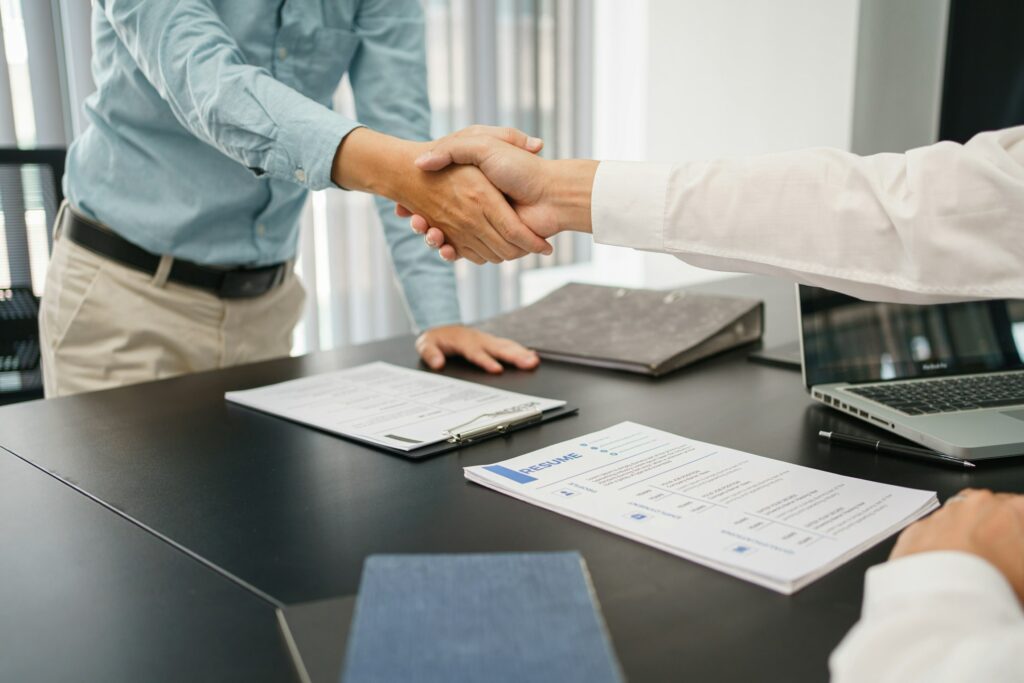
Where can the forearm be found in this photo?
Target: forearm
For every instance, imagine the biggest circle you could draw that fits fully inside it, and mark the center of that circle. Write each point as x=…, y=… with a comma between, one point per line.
x=569, y=187
x=368, y=161
x=939, y=223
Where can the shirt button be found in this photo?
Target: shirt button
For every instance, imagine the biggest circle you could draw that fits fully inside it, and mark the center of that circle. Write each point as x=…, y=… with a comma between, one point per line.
x=300, y=175
x=282, y=53
x=261, y=230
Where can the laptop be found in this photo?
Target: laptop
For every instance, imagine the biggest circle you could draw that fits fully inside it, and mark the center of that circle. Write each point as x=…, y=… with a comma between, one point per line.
x=950, y=376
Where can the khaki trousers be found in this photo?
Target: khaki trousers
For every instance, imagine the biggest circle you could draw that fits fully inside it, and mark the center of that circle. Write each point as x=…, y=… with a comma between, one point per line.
x=105, y=325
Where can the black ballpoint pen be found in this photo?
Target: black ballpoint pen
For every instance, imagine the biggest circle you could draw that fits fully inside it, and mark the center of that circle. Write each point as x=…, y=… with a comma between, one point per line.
x=893, y=449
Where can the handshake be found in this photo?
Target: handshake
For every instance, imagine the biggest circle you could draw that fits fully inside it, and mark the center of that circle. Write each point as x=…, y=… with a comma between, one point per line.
x=481, y=194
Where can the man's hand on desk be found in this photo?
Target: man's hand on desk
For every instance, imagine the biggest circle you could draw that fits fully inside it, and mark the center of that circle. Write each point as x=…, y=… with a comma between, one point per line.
x=477, y=347
x=989, y=525
x=459, y=200
x=549, y=196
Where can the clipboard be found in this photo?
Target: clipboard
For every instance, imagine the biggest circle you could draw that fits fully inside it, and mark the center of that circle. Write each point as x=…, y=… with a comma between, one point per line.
x=400, y=411
x=485, y=427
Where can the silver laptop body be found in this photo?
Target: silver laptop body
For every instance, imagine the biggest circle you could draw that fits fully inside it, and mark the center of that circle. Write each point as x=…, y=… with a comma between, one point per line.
x=950, y=377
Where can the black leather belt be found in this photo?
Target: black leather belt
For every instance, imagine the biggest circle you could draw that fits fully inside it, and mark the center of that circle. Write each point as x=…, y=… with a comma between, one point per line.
x=236, y=283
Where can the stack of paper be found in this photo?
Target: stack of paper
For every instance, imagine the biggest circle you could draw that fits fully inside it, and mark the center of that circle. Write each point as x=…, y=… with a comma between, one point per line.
x=772, y=523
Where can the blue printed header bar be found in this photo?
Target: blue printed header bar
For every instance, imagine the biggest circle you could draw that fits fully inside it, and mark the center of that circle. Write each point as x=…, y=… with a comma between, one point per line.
x=541, y=466
x=510, y=474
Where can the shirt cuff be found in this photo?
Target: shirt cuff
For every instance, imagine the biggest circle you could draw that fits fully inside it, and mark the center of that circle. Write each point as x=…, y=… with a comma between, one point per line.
x=306, y=146
x=628, y=204
x=924, y=576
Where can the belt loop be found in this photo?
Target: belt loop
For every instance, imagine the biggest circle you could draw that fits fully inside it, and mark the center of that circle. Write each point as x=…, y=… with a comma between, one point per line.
x=163, y=271
x=58, y=223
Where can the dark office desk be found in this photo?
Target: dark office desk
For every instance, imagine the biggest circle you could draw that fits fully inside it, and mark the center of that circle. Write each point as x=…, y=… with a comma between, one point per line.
x=292, y=513
x=86, y=595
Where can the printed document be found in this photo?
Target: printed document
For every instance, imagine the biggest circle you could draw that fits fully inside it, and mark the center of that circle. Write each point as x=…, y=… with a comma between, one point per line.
x=769, y=522
x=389, y=405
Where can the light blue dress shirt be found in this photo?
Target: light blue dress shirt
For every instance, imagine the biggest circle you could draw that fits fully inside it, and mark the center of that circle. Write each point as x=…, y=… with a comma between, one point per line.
x=211, y=122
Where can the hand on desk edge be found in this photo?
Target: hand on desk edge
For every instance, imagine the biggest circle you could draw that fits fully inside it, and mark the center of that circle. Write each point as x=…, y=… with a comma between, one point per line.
x=479, y=348
x=977, y=522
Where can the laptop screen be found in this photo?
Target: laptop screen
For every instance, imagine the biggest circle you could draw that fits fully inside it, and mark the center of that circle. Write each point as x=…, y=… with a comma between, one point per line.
x=849, y=340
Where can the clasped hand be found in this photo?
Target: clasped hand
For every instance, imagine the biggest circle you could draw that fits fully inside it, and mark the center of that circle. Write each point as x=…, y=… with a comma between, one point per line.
x=459, y=200
x=547, y=197
x=465, y=204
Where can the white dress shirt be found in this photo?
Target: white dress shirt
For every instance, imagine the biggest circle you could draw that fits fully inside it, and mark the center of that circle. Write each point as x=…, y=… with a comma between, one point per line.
x=941, y=617
x=939, y=223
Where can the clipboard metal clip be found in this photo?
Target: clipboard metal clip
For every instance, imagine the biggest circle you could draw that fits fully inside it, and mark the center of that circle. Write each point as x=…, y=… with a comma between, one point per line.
x=503, y=422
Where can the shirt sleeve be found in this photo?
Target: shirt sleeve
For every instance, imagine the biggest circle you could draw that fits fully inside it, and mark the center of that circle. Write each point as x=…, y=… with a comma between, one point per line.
x=938, y=223
x=939, y=617
x=186, y=52
x=389, y=80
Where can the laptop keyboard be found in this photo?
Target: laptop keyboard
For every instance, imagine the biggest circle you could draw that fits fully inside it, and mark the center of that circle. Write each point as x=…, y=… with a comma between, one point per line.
x=923, y=397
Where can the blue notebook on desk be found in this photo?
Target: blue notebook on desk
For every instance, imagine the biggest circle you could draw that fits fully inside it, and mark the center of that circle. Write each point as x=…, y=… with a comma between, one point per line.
x=496, y=618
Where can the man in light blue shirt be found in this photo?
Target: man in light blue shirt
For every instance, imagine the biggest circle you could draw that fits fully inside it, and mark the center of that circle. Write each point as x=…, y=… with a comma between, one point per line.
x=210, y=124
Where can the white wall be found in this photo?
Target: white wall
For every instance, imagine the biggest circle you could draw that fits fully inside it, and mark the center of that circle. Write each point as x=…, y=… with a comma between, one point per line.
x=690, y=79
x=737, y=77
x=747, y=76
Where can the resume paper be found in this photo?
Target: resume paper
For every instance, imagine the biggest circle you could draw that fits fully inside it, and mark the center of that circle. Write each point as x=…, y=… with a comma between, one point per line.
x=769, y=522
x=389, y=405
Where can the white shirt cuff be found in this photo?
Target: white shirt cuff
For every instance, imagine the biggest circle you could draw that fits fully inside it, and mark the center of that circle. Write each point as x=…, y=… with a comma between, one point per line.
x=628, y=204
x=925, y=576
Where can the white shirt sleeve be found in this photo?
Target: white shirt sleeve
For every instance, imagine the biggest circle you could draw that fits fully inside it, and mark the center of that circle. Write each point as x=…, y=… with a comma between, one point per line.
x=941, y=617
x=938, y=223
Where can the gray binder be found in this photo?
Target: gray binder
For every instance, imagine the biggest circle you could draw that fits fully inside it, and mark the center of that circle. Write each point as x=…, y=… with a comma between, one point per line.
x=650, y=332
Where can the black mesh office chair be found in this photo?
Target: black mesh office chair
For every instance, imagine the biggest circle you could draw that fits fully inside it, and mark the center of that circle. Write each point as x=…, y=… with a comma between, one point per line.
x=30, y=194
